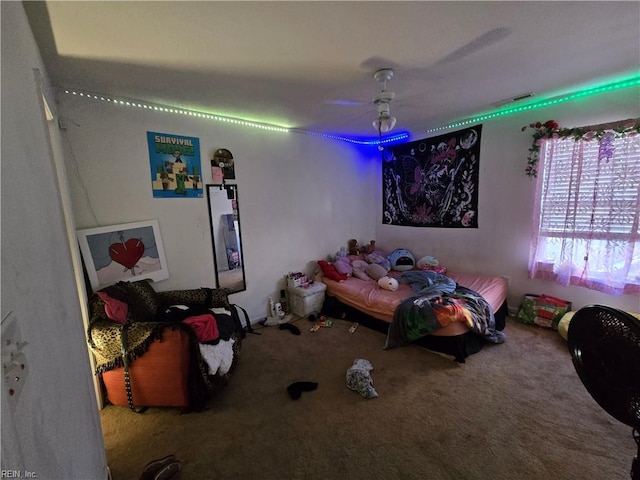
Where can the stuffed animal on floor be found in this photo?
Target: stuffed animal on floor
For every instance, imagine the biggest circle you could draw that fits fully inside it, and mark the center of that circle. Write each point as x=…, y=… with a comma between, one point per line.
x=388, y=283
x=359, y=378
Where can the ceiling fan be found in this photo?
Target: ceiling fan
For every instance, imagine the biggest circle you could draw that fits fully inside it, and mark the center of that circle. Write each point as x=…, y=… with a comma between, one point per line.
x=384, y=121
x=385, y=69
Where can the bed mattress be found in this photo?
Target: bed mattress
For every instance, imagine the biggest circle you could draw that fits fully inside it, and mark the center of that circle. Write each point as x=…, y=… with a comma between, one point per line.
x=369, y=298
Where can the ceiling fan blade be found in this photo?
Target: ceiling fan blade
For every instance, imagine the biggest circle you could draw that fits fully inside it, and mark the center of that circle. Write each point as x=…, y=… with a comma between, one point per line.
x=346, y=103
x=475, y=45
x=424, y=72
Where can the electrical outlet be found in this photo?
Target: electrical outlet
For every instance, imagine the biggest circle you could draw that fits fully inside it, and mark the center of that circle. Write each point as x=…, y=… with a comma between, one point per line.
x=507, y=279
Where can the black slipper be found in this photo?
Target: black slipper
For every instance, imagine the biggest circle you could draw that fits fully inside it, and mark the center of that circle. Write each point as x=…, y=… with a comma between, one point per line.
x=295, y=389
x=292, y=328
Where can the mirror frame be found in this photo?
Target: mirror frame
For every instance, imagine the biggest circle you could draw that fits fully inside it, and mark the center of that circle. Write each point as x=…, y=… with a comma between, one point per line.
x=212, y=187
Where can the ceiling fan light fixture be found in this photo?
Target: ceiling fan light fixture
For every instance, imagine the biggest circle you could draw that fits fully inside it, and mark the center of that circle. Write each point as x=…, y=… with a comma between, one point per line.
x=384, y=123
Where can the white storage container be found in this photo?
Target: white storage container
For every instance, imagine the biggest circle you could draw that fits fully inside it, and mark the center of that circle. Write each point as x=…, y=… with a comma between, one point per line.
x=306, y=301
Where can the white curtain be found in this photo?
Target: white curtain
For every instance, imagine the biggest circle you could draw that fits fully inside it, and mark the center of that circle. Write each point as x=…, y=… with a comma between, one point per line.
x=587, y=213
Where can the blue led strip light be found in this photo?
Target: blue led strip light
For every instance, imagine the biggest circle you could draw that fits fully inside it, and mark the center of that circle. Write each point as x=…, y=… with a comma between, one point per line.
x=543, y=103
x=363, y=141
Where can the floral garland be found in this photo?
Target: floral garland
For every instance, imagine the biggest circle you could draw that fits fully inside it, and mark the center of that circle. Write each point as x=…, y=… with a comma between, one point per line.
x=551, y=129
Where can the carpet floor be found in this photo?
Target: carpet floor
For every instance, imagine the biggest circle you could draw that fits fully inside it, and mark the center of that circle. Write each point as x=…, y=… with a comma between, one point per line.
x=513, y=411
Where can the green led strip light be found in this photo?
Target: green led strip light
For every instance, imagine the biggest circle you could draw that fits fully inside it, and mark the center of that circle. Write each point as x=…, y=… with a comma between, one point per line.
x=543, y=103
x=182, y=111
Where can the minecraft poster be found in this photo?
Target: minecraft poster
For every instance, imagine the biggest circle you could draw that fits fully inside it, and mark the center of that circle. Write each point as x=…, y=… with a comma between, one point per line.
x=174, y=161
x=433, y=182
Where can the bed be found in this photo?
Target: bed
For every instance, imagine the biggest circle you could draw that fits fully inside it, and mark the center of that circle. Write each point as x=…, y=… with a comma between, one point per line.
x=454, y=329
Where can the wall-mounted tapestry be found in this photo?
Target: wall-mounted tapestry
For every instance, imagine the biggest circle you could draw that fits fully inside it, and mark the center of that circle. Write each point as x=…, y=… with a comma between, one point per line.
x=175, y=165
x=433, y=182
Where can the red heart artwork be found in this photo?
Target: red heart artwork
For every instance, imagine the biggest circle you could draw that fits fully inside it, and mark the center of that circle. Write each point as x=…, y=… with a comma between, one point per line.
x=127, y=254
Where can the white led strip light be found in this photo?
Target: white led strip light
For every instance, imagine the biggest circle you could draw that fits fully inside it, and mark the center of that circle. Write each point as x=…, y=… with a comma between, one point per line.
x=180, y=111
x=231, y=120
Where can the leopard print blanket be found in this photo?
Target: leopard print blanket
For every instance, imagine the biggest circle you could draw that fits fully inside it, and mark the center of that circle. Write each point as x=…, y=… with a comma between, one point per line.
x=106, y=342
x=105, y=335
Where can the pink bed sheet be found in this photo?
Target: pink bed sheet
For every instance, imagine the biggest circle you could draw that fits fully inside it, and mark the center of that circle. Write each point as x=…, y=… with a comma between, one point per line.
x=369, y=298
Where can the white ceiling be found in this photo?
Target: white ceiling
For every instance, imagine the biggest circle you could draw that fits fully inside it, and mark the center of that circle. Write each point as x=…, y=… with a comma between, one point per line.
x=310, y=65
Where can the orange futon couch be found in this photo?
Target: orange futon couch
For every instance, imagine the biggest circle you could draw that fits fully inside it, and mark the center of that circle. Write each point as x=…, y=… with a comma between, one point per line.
x=164, y=363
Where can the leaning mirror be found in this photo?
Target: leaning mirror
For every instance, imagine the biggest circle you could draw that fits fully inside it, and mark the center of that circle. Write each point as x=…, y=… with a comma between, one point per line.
x=224, y=218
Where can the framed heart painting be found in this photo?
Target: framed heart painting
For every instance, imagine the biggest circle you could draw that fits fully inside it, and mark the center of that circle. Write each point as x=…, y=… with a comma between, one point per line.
x=126, y=252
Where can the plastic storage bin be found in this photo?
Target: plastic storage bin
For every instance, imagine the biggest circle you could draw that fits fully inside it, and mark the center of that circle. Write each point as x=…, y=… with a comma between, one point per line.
x=306, y=301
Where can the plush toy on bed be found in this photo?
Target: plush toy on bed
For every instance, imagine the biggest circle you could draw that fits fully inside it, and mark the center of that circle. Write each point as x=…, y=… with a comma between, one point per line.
x=359, y=268
x=353, y=247
x=376, y=271
x=431, y=263
x=388, y=283
x=359, y=378
x=366, y=249
x=329, y=270
x=343, y=266
x=379, y=258
x=401, y=260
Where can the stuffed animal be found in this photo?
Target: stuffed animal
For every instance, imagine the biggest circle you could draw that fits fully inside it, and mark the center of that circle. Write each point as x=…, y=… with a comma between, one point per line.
x=353, y=247
x=379, y=257
x=369, y=248
x=427, y=261
x=388, y=283
x=343, y=265
x=360, y=269
x=401, y=260
x=431, y=263
x=376, y=271
x=330, y=271
x=359, y=378
x=341, y=253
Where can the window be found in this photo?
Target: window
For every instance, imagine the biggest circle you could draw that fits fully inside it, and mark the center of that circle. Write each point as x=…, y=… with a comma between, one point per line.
x=586, y=228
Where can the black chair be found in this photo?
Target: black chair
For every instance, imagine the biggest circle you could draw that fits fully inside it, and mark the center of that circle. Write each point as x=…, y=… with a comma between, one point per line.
x=605, y=347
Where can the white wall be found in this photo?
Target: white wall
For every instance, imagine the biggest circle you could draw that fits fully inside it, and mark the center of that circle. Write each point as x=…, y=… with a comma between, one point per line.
x=500, y=245
x=53, y=430
x=300, y=197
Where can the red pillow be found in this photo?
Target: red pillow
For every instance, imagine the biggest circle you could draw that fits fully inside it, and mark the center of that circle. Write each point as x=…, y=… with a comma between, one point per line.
x=330, y=271
x=115, y=309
